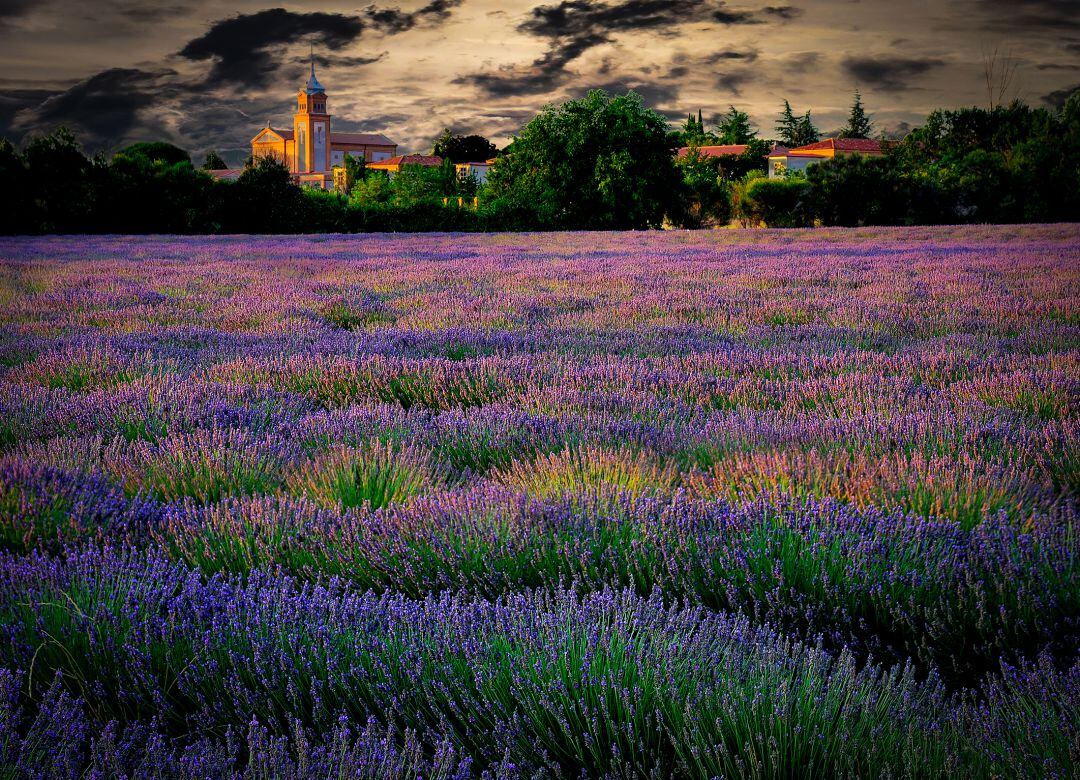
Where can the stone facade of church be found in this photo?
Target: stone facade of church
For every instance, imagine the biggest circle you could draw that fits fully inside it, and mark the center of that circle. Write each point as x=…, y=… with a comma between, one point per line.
x=310, y=149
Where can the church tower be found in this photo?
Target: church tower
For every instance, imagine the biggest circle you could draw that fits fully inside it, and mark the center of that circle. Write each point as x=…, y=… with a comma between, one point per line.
x=311, y=128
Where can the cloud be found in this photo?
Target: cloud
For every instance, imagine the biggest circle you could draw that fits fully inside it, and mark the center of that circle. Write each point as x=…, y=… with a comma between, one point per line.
x=887, y=73
x=1056, y=99
x=730, y=55
x=153, y=13
x=786, y=12
x=724, y=16
x=14, y=102
x=654, y=94
x=104, y=108
x=13, y=8
x=245, y=48
x=1014, y=16
x=733, y=81
x=575, y=26
x=394, y=20
x=338, y=60
x=543, y=75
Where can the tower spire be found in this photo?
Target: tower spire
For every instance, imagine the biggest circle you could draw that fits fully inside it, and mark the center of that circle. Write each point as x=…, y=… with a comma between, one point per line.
x=313, y=84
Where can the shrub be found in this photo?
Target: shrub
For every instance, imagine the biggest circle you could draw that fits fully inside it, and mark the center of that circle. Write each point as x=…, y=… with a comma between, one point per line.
x=588, y=471
x=775, y=202
x=374, y=475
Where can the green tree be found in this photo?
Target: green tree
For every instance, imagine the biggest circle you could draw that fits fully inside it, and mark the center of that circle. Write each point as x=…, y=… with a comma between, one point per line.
x=734, y=127
x=62, y=182
x=858, y=124
x=600, y=162
x=355, y=171
x=156, y=151
x=153, y=187
x=463, y=148
x=705, y=199
x=16, y=202
x=856, y=190
x=415, y=184
x=373, y=190
x=693, y=133
x=805, y=131
x=775, y=202
x=214, y=162
x=264, y=199
x=787, y=126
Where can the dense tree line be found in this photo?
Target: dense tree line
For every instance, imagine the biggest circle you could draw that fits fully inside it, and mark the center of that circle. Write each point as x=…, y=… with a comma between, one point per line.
x=600, y=162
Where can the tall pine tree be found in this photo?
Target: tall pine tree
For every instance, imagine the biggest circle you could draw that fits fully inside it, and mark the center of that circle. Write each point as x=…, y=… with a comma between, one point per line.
x=787, y=126
x=858, y=124
x=805, y=131
x=734, y=127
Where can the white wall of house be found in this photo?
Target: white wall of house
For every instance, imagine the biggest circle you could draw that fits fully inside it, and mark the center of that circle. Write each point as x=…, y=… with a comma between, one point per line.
x=790, y=164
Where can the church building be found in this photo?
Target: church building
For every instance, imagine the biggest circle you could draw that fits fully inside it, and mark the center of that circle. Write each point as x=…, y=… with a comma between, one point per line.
x=310, y=148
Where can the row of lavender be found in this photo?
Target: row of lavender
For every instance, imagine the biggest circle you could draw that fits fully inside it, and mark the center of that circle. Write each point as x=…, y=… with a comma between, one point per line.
x=522, y=505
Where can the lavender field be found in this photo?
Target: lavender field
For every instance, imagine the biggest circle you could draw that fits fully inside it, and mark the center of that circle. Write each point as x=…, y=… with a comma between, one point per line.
x=791, y=504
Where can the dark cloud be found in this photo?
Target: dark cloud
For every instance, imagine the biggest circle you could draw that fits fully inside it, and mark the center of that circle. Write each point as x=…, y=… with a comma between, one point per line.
x=579, y=17
x=15, y=101
x=338, y=61
x=729, y=55
x=787, y=12
x=373, y=124
x=1014, y=16
x=732, y=82
x=543, y=75
x=104, y=108
x=394, y=20
x=12, y=8
x=887, y=73
x=1056, y=99
x=245, y=48
x=654, y=94
x=151, y=14
x=725, y=16
x=575, y=26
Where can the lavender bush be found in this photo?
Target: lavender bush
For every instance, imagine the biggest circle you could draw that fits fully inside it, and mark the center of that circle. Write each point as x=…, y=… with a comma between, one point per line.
x=605, y=505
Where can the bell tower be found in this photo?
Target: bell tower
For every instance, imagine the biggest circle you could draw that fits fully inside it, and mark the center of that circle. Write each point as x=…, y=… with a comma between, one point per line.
x=311, y=127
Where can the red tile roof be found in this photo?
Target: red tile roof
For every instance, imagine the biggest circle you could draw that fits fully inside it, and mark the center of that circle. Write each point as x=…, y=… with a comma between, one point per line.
x=865, y=145
x=717, y=150
x=408, y=159
x=225, y=173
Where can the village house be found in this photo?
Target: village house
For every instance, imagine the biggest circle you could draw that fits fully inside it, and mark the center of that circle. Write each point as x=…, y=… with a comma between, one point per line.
x=477, y=169
x=310, y=149
x=782, y=160
x=715, y=150
x=393, y=165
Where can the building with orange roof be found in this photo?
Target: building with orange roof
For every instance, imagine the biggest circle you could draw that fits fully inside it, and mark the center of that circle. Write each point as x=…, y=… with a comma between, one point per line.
x=394, y=165
x=310, y=149
x=782, y=160
x=715, y=150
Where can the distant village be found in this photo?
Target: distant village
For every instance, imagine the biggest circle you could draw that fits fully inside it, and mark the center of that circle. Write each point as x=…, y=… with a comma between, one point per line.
x=315, y=154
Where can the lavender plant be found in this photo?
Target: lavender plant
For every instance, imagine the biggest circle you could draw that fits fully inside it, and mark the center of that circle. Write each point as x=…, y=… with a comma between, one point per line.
x=601, y=505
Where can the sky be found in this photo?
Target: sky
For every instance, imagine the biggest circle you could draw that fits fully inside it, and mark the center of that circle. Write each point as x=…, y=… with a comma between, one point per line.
x=189, y=72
